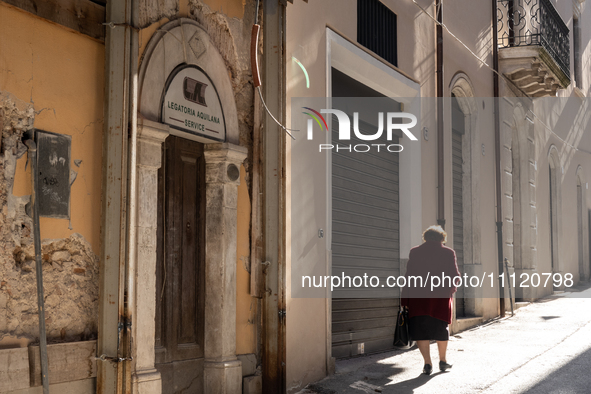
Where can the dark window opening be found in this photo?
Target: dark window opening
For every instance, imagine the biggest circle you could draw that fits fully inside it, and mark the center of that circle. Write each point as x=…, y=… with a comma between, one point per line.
x=376, y=29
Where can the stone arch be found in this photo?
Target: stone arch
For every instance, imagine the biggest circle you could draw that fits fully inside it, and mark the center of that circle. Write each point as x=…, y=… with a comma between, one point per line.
x=183, y=42
x=461, y=87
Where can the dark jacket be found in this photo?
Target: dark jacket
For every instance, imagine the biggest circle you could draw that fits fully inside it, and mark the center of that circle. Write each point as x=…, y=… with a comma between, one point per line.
x=428, y=260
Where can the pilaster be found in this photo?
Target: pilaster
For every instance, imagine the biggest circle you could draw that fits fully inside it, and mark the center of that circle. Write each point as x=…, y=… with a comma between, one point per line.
x=151, y=135
x=223, y=371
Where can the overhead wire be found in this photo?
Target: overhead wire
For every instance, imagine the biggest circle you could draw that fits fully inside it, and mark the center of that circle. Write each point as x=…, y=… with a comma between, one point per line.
x=504, y=77
x=271, y=115
x=256, y=70
x=465, y=46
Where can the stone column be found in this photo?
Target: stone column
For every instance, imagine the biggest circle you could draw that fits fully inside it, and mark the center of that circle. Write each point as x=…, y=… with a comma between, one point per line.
x=151, y=135
x=223, y=371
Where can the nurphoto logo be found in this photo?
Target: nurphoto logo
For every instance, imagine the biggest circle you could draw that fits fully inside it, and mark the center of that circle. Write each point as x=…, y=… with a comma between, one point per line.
x=344, y=127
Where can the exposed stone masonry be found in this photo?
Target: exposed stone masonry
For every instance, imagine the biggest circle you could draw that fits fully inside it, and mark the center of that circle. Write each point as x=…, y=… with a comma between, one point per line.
x=70, y=268
x=231, y=37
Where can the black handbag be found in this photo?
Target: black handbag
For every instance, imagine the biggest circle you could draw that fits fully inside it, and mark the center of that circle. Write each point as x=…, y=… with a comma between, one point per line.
x=402, y=339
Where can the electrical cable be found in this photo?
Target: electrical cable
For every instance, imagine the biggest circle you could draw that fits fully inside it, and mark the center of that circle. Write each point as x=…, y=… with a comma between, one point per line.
x=556, y=135
x=271, y=115
x=254, y=64
x=256, y=13
x=465, y=46
x=499, y=74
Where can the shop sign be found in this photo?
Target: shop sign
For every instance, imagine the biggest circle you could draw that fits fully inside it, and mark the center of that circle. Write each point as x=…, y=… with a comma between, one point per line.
x=191, y=104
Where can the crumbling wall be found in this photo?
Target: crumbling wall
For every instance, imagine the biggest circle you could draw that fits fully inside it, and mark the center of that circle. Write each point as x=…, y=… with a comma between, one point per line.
x=70, y=267
x=70, y=277
x=16, y=118
x=151, y=11
x=231, y=37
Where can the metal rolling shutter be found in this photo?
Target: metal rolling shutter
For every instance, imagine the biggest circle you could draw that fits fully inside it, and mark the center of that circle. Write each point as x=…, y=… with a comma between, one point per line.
x=458, y=205
x=365, y=239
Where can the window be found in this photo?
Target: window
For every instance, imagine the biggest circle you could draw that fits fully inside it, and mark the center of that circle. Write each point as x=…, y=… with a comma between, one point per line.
x=376, y=29
x=577, y=51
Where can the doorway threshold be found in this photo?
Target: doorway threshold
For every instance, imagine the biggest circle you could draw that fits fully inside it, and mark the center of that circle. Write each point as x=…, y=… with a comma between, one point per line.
x=463, y=323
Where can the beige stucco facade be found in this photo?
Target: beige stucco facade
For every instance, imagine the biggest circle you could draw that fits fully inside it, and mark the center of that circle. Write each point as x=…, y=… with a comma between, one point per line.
x=554, y=131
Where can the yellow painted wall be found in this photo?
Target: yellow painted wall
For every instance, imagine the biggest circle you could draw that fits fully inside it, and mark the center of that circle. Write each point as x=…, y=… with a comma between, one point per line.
x=245, y=304
x=60, y=72
x=147, y=33
x=232, y=8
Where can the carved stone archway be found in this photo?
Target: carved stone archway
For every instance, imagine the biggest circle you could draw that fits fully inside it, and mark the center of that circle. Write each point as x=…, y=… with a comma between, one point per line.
x=184, y=41
x=180, y=42
x=462, y=89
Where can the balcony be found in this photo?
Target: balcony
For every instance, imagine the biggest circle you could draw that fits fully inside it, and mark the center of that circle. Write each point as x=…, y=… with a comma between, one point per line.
x=534, y=48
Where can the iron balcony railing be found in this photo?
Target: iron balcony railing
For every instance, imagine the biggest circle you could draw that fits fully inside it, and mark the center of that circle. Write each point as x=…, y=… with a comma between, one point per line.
x=534, y=22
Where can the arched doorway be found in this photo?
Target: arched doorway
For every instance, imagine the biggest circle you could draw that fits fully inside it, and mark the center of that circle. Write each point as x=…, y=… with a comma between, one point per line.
x=465, y=157
x=457, y=144
x=185, y=306
x=554, y=170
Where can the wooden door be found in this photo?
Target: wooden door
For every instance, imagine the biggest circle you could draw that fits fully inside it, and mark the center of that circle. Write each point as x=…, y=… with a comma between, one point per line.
x=180, y=267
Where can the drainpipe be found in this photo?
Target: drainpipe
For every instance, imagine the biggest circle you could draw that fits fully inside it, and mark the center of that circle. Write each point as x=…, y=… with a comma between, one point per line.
x=273, y=204
x=116, y=295
x=440, y=134
x=131, y=263
x=132, y=193
x=498, y=172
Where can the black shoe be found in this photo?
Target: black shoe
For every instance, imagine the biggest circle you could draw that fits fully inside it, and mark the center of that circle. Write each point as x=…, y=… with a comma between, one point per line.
x=443, y=365
x=427, y=369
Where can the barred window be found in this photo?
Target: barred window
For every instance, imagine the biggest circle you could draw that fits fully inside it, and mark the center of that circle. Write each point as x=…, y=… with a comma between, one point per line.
x=376, y=29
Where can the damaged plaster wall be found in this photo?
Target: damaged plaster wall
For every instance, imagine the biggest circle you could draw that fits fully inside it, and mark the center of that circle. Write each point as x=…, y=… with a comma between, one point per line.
x=70, y=268
x=151, y=11
x=51, y=78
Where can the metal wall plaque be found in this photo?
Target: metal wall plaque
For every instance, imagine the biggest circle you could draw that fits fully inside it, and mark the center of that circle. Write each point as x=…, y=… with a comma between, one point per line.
x=191, y=104
x=53, y=164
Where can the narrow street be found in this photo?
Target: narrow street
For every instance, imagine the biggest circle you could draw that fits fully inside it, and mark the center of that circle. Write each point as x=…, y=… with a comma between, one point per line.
x=544, y=348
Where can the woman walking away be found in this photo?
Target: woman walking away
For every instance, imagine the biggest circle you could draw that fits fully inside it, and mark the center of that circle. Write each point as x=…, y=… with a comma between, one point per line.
x=430, y=311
